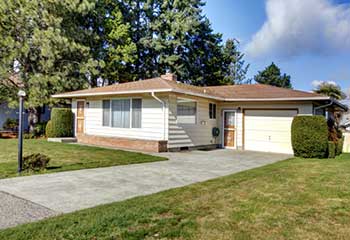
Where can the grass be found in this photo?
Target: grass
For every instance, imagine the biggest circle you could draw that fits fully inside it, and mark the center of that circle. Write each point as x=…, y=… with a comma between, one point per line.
x=292, y=199
x=67, y=157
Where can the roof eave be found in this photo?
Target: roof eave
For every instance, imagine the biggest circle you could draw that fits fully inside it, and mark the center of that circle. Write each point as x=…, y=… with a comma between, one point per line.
x=276, y=99
x=77, y=95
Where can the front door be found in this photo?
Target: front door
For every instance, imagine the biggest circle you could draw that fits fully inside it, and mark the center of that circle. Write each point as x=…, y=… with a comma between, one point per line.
x=80, y=117
x=229, y=129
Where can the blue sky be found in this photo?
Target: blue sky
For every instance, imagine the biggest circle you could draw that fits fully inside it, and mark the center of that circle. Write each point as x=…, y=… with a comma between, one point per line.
x=307, y=39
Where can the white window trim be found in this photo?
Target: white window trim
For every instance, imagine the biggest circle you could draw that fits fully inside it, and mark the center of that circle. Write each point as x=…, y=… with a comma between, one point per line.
x=197, y=112
x=110, y=112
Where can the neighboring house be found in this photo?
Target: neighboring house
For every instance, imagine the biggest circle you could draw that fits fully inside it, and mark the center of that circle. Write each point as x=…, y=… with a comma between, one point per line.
x=161, y=114
x=6, y=113
x=10, y=113
x=345, y=121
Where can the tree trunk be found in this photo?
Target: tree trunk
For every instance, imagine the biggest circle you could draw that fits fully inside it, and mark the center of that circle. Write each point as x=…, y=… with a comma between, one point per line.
x=33, y=118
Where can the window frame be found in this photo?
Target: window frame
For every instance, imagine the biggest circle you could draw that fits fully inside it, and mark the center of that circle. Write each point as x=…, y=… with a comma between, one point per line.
x=196, y=114
x=130, y=118
x=212, y=113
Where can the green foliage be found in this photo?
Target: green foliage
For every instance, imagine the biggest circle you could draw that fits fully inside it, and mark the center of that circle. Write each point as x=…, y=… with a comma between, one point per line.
x=29, y=136
x=49, y=47
x=310, y=136
x=331, y=149
x=43, y=49
x=339, y=146
x=61, y=123
x=234, y=64
x=143, y=39
x=39, y=129
x=331, y=90
x=35, y=162
x=10, y=124
x=49, y=130
x=272, y=76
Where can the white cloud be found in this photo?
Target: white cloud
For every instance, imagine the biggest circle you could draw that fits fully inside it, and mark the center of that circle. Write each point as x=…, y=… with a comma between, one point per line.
x=317, y=83
x=295, y=27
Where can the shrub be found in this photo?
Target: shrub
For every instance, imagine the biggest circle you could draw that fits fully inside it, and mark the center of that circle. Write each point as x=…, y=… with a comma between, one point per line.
x=331, y=149
x=339, y=146
x=61, y=123
x=48, y=130
x=11, y=124
x=39, y=129
x=310, y=136
x=35, y=162
x=29, y=136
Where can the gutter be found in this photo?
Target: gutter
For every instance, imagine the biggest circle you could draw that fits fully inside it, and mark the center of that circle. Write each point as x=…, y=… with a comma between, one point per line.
x=333, y=102
x=323, y=106
x=164, y=112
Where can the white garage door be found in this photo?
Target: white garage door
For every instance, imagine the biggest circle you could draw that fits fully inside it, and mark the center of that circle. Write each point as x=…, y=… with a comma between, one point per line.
x=269, y=130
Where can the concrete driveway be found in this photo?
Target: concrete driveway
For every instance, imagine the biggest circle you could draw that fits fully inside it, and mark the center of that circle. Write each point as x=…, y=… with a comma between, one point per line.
x=70, y=191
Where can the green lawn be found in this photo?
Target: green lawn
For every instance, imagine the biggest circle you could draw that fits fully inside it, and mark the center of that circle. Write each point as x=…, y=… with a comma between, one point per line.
x=65, y=157
x=293, y=199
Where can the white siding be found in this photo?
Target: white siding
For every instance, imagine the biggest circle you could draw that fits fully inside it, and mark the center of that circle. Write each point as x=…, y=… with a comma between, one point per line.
x=189, y=135
x=152, y=124
x=178, y=135
x=304, y=108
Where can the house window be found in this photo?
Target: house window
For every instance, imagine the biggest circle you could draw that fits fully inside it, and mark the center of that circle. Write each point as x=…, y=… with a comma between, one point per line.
x=122, y=113
x=136, y=113
x=186, y=111
x=106, y=104
x=212, y=110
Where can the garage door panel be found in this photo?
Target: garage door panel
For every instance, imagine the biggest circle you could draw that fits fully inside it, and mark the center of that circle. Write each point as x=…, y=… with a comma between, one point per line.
x=268, y=137
x=270, y=113
x=269, y=131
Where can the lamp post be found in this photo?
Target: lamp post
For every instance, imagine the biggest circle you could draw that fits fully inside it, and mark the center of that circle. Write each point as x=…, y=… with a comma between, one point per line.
x=21, y=95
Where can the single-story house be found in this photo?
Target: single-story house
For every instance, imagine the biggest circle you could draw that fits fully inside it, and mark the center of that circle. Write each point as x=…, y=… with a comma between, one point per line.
x=161, y=114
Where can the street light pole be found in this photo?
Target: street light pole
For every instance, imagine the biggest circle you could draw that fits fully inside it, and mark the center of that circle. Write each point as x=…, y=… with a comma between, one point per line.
x=21, y=95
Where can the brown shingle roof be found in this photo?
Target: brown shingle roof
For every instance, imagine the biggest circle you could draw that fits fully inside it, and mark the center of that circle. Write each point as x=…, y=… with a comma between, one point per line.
x=257, y=91
x=231, y=92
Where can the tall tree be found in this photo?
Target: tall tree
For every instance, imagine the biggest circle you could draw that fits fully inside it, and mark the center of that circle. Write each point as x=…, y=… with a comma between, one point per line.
x=42, y=46
x=234, y=63
x=272, y=76
x=172, y=35
x=331, y=90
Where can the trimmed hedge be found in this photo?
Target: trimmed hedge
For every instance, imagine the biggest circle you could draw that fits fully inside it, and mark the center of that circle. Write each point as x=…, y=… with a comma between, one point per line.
x=331, y=149
x=310, y=136
x=61, y=123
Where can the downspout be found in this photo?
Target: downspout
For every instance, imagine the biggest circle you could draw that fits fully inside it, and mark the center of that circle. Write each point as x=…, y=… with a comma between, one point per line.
x=164, y=112
x=324, y=106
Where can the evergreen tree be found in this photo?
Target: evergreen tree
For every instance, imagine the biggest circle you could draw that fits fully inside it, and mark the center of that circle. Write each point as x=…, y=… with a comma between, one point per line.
x=41, y=45
x=234, y=64
x=272, y=76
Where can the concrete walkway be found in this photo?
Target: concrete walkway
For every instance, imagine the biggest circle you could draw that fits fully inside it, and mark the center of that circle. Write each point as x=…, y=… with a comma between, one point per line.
x=70, y=191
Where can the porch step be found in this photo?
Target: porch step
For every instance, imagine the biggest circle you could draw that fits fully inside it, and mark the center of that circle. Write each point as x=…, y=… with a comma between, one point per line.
x=62, y=140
